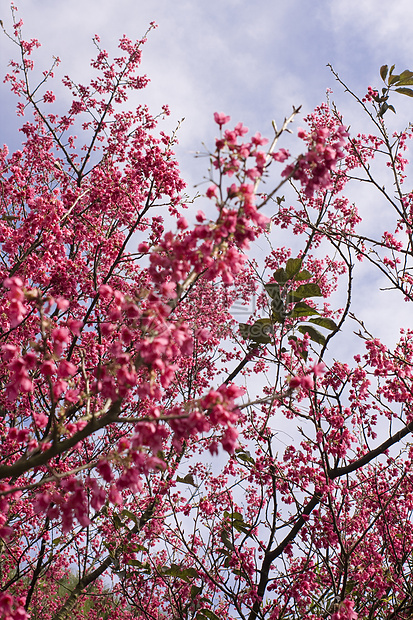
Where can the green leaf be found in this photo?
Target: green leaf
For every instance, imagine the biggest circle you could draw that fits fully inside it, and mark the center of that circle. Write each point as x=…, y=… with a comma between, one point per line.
x=405, y=75
x=137, y=548
x=405, y=91
x=281, y=276
x=383, y=72
x=133, y=562
x=278, y=309
x=302, y=309
x=273, y=289
x=129, y=514
x=260, y=332
x=383, y=109
x=293, y=296
x=116, y=521
x=406, y=82
x=303, y=275
x=236, y=571
x=350, y=585
x=325, y=322
x=241, y=526
x=175, y=570
x=309, y=290
x=226, y=540
x=207, y=613
x=143, y=566
x=314, y=334
x=195, y=590
x=277, y=317
x=238, y=523
x=244, y=456
x=293, y=266
x=303, y=354
x=188, y=574
x=244, y=330
x=188, y=479
x=393, y=79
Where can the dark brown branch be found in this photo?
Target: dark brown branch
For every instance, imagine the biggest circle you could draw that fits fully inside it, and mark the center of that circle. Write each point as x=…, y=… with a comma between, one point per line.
x=26, y=464
x=359, y=463
x=270, y=556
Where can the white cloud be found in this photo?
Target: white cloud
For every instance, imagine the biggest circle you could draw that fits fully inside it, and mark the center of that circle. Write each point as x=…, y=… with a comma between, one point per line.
x=384, y=29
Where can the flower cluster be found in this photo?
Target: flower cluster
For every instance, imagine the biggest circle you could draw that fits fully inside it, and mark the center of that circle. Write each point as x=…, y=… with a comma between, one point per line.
x=122, y=368
x=345, y=611
x=12, y=609
x=305, y=380
x=314, y=168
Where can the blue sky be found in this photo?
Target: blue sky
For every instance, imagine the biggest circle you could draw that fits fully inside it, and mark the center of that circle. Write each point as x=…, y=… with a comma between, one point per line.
x=251, y=60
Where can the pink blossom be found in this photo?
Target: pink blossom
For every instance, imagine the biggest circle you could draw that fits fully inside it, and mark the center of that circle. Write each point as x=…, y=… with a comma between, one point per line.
x=202, y=335
x=143, y=247
x=229, y=439
x=318, y=369
x=240, y=129
x=105, y=291
x=14, y=284
x=12, y=608
x=61, y=336
x=258, y=140
x=295, y=382
x=30, y=359
x=107, y=329
x=307, y=382
x=281, y=155
x=221, y=119
x=114, y=496
x=182, y=223
x=59, y=387
x=48, y=368
x=8, y=351
x=345, y=611
x=16, y=312
x=72, y=396
x=75, y=326
x=41, y=419
x=210, y=193
x=61, y=303
x=66, y=369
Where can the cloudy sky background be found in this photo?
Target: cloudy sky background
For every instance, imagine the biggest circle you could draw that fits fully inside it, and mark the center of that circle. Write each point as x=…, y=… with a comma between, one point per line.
x=251, y=60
